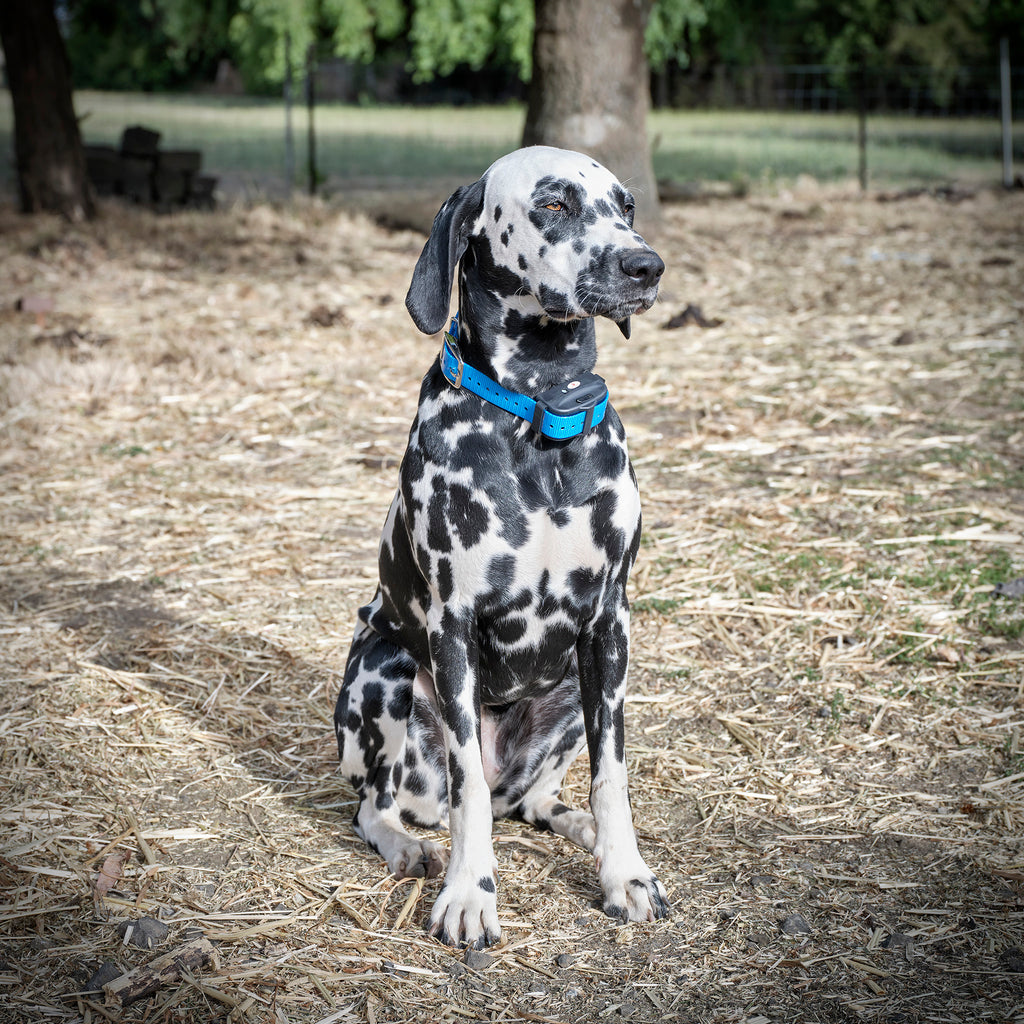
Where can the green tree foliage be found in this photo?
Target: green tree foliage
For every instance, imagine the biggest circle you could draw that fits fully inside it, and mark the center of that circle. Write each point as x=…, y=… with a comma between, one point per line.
x=263, y=30
x=440, y=35
x=671, y=23
x=940, y=35
x=145, y=44
x=933, y=33
x=163, y=44
x=447, y=33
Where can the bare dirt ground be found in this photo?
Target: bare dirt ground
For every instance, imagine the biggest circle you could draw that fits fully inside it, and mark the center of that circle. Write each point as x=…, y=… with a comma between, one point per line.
x=202, y=418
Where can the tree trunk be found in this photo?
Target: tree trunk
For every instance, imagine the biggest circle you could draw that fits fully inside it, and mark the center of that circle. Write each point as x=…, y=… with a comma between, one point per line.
x=47, y=145
x=590, y=89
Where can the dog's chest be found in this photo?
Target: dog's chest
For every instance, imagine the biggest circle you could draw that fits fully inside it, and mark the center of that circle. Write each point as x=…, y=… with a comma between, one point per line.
x=561, y=563
x=529, y=542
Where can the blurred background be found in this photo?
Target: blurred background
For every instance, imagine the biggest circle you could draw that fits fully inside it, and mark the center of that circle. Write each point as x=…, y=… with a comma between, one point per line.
x=265, y=97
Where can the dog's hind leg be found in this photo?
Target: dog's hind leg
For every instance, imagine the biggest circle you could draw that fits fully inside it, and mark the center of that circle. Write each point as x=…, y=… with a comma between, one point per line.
x=383, y=745
x=535, y=743
x=546, y=811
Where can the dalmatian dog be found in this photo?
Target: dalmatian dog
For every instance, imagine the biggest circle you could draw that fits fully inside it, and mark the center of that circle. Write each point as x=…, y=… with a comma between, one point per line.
x=498, y=639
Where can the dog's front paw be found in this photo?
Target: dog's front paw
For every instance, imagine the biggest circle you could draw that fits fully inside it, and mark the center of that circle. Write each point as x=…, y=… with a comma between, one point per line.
x=640, y=898
x=466, y=913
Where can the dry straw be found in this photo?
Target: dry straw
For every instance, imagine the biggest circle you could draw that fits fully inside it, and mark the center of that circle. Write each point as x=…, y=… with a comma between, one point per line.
x=201, y=433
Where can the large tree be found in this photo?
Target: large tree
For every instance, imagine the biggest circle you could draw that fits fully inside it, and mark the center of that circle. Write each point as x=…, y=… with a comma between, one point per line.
x=590, y=87
x=47, y=144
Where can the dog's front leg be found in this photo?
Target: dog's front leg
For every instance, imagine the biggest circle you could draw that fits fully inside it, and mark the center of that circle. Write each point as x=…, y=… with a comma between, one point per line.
x=466, y=911
x=631, y=890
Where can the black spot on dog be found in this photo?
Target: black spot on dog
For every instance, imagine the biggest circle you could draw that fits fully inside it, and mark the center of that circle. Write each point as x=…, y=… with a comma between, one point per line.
x=509, y=630
x=501, y=570
x=497, y=213
x=522, y=262
x=559, y=516
x=401, y=703
x=554, y=301
x=486, y=884
x=445, y=582
x=416, y=783
x=438, y=538
x=502, y=281
x=469, y=518
x=458, y=780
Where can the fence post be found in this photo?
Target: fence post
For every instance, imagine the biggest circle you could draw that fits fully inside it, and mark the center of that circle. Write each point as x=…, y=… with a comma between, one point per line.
x=310, y=105
x=289, y=141
x=1007, y=113
x=862, y=126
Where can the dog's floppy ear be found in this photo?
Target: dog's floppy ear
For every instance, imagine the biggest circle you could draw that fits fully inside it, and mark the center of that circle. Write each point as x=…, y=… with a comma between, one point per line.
x=624, y=326
x=431, y=288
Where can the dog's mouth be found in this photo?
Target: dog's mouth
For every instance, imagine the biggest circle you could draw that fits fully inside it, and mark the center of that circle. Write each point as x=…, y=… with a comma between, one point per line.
x=620, y=283
x=633, y=307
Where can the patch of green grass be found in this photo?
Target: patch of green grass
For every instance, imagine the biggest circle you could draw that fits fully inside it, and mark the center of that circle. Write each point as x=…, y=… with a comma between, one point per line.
x=377, y=145
x=719, y=145
x=815, y=569
x=661, y=605
x=128, y=451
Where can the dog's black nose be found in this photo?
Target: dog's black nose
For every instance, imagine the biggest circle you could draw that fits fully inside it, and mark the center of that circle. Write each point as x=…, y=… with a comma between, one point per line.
x=644, y=266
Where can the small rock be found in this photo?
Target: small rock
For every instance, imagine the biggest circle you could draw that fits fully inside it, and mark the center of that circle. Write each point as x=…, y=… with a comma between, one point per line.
x=324, y=316
x=897, y=940
x=477, y=959
x=105, y=973
x=759, y=939
x=1010, y=588
x=1013, y=960
x=795, y=924
x=762, y=879
x=563, y=960
x=905, y=338
x=691, y=315
x=34, y=304
x=146, y=932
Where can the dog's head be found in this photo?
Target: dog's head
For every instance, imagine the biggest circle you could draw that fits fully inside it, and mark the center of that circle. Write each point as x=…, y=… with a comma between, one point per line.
x=548, y=230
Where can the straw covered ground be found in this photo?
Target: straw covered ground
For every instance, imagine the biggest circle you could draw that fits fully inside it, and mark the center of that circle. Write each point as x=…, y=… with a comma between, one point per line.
x=202, y=418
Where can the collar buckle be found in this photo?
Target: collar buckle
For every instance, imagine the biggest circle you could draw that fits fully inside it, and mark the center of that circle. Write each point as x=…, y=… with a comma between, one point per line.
x=452, y=346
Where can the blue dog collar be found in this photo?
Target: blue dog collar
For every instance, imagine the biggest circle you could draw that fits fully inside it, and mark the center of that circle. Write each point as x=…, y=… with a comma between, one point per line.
x=564, y=411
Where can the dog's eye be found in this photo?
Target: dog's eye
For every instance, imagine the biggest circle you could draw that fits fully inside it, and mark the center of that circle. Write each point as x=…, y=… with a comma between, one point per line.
x=629, y=209
x=554, y=207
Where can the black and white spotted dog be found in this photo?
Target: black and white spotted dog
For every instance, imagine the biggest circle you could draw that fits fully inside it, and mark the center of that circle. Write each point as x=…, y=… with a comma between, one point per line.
x=497, y=642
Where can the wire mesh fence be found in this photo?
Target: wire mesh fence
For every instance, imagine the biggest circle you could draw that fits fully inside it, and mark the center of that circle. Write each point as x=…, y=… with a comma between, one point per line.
x=726, y=123
x=967, y=91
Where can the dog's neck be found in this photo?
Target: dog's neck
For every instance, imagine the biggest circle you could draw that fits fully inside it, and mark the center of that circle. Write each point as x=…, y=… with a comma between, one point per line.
x=513, y=341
